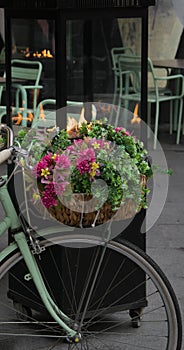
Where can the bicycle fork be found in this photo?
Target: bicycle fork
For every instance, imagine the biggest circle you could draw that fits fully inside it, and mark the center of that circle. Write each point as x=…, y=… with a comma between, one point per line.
x=62, y=319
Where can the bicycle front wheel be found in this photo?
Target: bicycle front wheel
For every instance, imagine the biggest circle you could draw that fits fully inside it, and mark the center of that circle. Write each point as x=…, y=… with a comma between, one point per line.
x=117, y=297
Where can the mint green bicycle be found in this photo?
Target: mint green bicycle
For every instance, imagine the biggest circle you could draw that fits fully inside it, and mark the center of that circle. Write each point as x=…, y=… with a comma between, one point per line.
x=89, y=293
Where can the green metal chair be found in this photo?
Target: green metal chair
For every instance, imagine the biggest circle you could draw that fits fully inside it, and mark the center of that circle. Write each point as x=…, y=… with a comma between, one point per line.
x=130, y=68
x=26, y=77
x=179, y=129
x=45, y=115
x=117, y=52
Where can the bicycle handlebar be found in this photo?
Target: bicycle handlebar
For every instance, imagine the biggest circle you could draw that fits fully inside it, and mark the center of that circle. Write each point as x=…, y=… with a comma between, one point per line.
x=5, y=154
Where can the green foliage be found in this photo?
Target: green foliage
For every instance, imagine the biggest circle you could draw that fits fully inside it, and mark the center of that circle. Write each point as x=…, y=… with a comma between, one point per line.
x=121, y=160
x=130, y=144
x=59, y=142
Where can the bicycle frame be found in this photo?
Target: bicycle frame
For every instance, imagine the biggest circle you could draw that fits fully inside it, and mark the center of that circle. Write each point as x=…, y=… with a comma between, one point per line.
x=25, y=243
x=11, y=221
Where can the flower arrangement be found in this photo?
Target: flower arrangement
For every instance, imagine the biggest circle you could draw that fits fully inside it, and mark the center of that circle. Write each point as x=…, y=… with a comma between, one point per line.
x=98, y=174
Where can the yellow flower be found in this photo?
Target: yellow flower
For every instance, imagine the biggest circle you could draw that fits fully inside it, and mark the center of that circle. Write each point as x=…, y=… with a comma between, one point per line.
x=45, y=172
x=54, y=156
x=96, y=145
x=89, y=126
x=22, y=162
x=94, y=167
x=36, y=196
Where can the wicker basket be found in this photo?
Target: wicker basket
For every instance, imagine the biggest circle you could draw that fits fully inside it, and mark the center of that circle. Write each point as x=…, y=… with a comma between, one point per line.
x=85, y=218
x=83, y=214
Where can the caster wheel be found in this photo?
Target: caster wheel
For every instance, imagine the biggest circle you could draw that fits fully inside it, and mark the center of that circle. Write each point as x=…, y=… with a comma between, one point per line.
x=135, y=318
x=136, y=322
x=23, y=312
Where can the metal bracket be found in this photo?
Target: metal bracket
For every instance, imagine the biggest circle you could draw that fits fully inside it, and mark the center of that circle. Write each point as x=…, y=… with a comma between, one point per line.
x=28, y=277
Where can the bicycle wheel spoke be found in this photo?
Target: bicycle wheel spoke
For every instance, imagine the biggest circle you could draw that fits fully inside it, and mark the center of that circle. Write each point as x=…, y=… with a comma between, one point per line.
x=106, y=290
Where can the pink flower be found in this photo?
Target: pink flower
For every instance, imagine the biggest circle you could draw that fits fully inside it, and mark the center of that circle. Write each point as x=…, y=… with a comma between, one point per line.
x=75, y=145
x=49, y=196
x=84, y=167
x=119, y=128
x=87, y=154
x=127, y=133
x=45, y=162
x=124, y=131
x=62, y=161
x=60, y=187
x=86, y=157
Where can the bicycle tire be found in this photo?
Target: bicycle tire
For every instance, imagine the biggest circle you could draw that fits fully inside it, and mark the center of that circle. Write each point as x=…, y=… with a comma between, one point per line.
x=133, y=284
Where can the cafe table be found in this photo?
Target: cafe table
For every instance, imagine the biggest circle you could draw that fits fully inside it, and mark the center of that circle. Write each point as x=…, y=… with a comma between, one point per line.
x=176, y=64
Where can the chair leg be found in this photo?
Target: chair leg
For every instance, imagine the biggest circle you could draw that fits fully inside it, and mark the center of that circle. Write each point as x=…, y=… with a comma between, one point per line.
x=117, y=113
x=24, y=113
x=156, y=126
x=115, y=94
x=171, y=120
x=179, y=122
x=115, y=90
x=176, y=109
x=149, y=120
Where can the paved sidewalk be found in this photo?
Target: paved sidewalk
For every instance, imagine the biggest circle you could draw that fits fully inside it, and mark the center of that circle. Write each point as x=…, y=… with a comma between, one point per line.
x=165, y=240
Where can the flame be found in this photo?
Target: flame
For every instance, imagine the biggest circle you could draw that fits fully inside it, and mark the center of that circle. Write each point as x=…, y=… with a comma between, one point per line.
x=43, y=53
x=37, y=54
x=136, y=118
x=73, y=125
x=30, y=117
x=42, y=114
x=17, y=118
x=82, y=120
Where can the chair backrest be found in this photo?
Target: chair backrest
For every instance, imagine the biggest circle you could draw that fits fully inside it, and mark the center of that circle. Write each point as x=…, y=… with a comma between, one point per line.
x=116, y=52
x=45, y=117
x=29, y=71
x=130, y=65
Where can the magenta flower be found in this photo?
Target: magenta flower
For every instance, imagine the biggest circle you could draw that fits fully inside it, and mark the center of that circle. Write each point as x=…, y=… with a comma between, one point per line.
x=124, y=131
x=119, y=128
x=49, y=196
x=86, y=157
x=45, y=162
x=84, y=166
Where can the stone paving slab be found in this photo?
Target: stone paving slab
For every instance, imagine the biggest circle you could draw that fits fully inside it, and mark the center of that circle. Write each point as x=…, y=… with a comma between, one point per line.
x=165, y=241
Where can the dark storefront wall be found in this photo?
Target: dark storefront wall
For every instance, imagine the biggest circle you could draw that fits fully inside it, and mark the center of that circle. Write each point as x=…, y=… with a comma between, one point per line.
x=37, y=35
